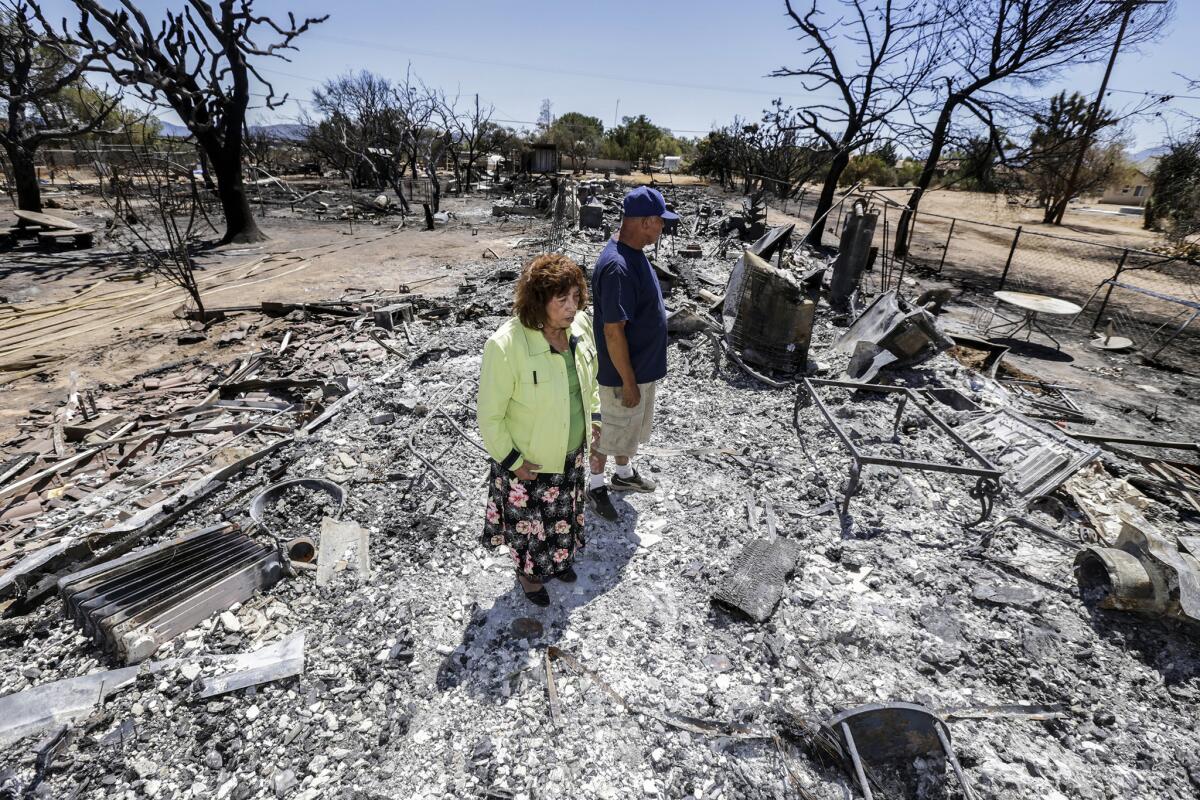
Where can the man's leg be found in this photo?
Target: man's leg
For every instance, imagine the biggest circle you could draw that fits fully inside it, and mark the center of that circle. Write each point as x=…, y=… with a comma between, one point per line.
x=627, y=478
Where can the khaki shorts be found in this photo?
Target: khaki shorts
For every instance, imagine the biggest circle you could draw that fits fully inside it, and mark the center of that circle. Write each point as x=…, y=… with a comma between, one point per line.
x=623, y=429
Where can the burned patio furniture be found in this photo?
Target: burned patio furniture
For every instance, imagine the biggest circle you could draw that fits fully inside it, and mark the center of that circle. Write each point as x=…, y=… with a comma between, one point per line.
x=1031, y=305
x=986, y=474
x=872, y=737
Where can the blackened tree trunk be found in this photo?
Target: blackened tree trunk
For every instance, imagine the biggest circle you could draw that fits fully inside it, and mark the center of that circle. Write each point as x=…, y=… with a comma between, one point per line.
x=205, y=172
x=240, y=225
x=197, y=61
x=29, y=192
x=941, y=130
x=837, y=166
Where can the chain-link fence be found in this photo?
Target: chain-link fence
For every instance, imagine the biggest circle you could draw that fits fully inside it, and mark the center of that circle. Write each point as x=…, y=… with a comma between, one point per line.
x=1152, y=299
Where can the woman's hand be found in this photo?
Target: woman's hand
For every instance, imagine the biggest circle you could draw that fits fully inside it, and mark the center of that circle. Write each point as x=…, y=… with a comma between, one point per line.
x=527, y=471
x=595, y=435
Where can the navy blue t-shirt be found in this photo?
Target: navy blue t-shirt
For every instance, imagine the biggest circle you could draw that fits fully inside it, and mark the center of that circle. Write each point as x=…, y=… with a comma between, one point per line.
x=624, y=287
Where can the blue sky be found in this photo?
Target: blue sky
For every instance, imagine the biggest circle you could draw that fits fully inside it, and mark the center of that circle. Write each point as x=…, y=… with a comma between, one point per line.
x=686, y=65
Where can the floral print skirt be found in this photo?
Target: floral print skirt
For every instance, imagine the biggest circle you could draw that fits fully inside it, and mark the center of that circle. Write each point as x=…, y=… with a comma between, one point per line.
x=540, y=520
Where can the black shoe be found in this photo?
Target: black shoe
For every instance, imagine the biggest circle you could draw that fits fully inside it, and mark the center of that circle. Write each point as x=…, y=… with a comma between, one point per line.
x=539, y=598
x=634, y=483
x=598, y=500
x=567, y=575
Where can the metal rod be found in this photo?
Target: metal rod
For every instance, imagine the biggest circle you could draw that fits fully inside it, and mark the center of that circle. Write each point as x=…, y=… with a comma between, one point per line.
x=1108, y=294
x=1115, y=439
x=968, y=793
x=946, y=249
x=848, y=737
x=1011, y=251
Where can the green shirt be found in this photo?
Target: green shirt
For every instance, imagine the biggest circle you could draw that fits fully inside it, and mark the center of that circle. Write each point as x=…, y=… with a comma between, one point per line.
x=575, y=434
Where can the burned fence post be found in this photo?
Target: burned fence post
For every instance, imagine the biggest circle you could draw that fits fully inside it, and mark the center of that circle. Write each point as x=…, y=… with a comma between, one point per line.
x=1111, y=282
x=1011, y=252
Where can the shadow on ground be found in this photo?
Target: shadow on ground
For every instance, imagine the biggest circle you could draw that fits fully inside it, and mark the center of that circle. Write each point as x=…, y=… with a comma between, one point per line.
x=489, y=660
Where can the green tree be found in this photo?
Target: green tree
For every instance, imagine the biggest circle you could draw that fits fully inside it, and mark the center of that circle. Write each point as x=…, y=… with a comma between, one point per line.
x=637, y=140
x=887, y=153
x=870, y=169
x=577, y=136
x=1054, y=144
x=1175, y=202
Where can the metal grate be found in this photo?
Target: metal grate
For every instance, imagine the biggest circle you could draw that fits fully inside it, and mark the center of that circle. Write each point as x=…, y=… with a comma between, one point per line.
x=132, y=605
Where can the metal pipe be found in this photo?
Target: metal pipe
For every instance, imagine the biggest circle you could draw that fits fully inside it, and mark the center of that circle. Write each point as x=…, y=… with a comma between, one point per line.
x=302, y=549
x=1108, y=294
x=1110, y=438
x=1011, y=252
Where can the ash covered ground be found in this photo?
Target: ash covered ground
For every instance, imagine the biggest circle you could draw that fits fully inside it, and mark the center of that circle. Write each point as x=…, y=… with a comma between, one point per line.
x=428, y=678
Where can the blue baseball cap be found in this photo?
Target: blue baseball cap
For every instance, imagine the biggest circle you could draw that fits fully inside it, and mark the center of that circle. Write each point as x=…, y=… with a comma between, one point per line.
x=646, y=202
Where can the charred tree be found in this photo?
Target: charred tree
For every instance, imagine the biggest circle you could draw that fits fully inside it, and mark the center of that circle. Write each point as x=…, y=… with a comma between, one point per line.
x=893, y=48
x=35, y=74
x=197, y=61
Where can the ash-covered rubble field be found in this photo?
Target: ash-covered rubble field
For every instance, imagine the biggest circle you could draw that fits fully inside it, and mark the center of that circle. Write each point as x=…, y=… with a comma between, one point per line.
x=431, y=676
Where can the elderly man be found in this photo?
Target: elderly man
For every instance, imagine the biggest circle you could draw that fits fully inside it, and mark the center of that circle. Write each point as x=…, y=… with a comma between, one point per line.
x=631, y=342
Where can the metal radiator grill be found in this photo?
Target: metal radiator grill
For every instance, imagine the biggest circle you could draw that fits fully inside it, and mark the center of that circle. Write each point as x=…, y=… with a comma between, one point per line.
x=132, y=605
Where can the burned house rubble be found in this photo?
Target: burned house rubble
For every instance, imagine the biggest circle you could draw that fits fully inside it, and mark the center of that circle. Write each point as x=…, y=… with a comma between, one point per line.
x=889, y=555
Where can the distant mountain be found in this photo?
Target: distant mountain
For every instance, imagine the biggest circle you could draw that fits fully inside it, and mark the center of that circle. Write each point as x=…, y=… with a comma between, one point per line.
x=286, y=132
x=1149, y=152
x=172, y=131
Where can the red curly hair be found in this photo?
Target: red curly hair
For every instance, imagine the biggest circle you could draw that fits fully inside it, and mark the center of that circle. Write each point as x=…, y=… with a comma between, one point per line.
x=545, y=278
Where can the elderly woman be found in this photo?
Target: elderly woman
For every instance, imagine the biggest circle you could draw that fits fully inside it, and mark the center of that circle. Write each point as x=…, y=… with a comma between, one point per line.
x=537, y=393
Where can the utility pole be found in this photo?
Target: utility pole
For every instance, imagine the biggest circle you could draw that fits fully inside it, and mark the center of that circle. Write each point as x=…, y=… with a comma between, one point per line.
x=1090, y=126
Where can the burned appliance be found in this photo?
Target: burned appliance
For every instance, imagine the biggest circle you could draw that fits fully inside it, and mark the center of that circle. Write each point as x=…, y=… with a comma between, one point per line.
x=132, y=605
x=891, y=334
x=854, y=253
x=768, y=312
x=774, y=317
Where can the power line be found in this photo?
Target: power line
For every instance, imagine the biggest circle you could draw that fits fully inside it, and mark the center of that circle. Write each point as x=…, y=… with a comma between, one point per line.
x=539, y=68
x=1166, y=96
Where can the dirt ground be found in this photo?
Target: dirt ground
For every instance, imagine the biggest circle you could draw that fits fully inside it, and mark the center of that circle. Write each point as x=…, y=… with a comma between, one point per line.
x=311, y=261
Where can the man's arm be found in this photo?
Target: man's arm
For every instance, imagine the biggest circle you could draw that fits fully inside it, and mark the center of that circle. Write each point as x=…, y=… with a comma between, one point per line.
x=618, y=353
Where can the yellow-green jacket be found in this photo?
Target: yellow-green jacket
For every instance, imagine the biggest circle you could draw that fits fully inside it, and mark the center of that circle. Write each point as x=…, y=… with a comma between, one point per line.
x=524, y=410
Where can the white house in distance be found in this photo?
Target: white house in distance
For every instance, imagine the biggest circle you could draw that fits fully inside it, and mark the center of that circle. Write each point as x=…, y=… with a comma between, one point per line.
x=1135, y=187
